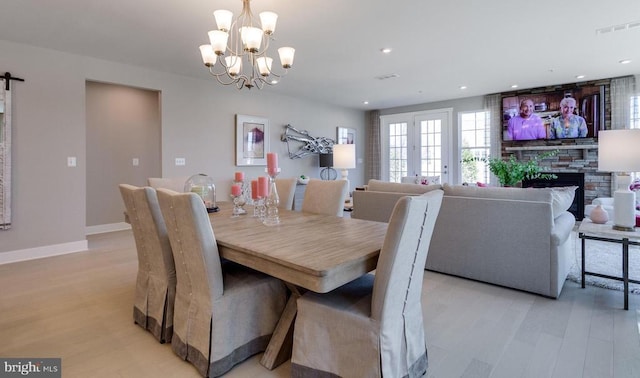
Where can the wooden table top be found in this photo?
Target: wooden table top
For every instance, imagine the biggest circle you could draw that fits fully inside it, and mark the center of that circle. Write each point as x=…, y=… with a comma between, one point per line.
x=317, y=252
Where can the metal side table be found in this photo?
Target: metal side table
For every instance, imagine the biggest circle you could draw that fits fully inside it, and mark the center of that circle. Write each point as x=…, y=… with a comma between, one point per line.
x=604, y=232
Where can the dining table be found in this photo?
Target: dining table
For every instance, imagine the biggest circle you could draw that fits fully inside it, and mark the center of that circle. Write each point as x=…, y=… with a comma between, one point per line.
x=306, y=251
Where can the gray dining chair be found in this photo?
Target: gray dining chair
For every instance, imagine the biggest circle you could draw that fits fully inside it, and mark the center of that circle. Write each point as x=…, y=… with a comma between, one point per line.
x=286, y=188
x=224, y=313
x=156, y=278
x=325, y=197
x=373, y=327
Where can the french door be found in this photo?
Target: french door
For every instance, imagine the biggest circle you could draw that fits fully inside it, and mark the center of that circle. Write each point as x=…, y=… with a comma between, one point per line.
x=416, y=144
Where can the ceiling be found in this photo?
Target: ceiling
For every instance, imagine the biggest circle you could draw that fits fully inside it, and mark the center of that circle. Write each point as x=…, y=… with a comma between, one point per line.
x=437, y=45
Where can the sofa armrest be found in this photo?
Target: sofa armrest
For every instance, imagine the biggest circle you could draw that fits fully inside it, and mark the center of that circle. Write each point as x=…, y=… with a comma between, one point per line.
x=375, y=206
x=563, y=225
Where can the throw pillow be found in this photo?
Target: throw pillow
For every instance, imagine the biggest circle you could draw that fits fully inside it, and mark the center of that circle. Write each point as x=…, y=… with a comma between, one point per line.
x=562, y=198
x=422, y=180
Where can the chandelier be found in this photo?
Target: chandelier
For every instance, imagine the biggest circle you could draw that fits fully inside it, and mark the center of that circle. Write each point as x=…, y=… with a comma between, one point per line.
x=236, y=47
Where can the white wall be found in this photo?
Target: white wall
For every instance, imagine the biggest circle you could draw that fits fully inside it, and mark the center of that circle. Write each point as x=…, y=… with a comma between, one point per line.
x=197, y=124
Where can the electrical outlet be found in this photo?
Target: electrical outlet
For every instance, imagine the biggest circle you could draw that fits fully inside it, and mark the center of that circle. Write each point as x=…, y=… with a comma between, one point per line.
x=71, y=161
x=181, y=161
x=136, y=162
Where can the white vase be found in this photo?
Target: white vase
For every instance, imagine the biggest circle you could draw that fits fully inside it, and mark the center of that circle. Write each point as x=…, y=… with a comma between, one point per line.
x=599, y=215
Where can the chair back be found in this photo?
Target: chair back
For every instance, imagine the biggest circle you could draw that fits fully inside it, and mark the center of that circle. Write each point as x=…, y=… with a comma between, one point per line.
x=131, y=204
x=398, y=280
x=176, y=183
x=193, y=244
x=325, y=197
x=286, y=188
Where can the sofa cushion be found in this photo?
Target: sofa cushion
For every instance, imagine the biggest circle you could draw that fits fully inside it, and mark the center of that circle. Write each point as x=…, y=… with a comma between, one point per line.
x=394, y=187
x=560, y=198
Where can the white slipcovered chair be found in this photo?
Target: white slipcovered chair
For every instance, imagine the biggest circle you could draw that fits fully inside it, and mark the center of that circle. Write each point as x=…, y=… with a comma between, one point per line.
x=156, y=279
x=286, y=188
x=224, y=313
x=325, y=197
x=373, y=327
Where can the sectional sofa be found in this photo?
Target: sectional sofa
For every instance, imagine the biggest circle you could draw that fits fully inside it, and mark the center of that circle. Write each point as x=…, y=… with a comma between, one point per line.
x=513, y=237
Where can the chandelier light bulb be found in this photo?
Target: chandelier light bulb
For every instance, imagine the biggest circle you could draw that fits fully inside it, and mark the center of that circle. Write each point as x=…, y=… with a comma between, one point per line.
x=208, y=57
x=234, y=65
x=218, y=41
x=286, y=56
x=251, y=38
x=223, y=19
x=264, y=65
x=268, y=21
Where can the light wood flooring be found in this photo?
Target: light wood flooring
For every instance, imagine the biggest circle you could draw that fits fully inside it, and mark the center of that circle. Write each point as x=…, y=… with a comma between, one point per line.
x=79, y=307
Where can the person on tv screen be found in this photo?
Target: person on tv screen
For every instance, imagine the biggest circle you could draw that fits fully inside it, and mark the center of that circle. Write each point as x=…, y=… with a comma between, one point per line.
x=567, y=124
x=526, y=125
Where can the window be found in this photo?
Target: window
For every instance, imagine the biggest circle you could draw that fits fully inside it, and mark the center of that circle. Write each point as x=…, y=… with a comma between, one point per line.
x=398, y=139
x=475, y=143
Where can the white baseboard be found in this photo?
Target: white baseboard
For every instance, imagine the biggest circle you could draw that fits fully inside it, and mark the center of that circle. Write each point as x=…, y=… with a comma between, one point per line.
x=41, y=252
x=103, y=228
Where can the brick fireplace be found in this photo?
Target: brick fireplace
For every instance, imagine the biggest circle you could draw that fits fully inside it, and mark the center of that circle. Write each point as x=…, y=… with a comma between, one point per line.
x=572, y=158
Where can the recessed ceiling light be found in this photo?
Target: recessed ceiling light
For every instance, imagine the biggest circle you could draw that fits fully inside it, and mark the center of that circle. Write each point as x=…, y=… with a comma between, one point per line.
x=463, y=87
x=625, y=61
x=514, y=86
x=580, y=77
x=385, y=50
x=366, y=102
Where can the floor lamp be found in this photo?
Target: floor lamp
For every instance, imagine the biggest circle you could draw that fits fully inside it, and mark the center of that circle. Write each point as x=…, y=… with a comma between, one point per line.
x=344, y=157
x=619, y=151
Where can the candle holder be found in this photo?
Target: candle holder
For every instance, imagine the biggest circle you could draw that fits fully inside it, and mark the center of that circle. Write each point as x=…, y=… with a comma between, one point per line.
x=273, y=200
x=259, y=209
x=238, y=206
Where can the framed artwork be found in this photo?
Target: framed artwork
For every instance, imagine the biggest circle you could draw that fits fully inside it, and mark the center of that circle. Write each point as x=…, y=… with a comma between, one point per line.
x=346, y=135
x=252, y=140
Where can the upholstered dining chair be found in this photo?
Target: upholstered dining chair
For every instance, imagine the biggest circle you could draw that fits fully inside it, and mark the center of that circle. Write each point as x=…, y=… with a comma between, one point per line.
x=171, y=183
x=156, y=279
x=224, y=313
x=373, y=327
x=286, y=188
x=325, y=197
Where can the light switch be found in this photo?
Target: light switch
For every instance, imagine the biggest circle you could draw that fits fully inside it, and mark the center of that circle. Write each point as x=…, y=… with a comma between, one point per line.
x=136, y=162
x=71, y=161
x=181, y=161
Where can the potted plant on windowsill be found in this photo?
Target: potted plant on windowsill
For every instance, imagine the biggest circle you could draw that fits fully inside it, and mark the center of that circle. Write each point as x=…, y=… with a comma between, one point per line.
x=511, y=172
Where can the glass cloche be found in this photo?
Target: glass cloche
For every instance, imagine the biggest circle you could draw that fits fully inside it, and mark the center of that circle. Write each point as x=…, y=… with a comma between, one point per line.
x=203, y=186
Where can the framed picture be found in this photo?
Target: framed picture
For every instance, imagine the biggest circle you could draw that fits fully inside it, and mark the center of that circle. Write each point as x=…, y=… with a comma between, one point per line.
x=346, y=135
x=252, y=140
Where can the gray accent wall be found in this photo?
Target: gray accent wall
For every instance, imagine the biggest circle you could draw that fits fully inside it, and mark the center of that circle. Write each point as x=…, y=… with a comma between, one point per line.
x=197, y=117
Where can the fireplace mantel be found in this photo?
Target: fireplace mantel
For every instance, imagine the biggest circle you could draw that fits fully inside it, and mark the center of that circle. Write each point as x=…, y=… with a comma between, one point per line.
x=584, y=147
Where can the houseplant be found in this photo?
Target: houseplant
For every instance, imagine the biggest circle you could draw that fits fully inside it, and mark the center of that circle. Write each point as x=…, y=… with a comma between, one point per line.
x=511, y=172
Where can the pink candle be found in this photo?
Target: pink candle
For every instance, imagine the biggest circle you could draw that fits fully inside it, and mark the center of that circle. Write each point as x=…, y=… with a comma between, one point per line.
x=272, y=162
x=263, y=186
x=254, y=189
x=236, y=190
x=239, y=176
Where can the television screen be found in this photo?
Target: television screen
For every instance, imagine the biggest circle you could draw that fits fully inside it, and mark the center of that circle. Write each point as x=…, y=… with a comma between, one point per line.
x=557, y=114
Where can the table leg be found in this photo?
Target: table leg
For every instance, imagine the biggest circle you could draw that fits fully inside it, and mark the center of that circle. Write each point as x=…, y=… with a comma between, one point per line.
x=625, y=271
x=583, y=269
x=281, y=343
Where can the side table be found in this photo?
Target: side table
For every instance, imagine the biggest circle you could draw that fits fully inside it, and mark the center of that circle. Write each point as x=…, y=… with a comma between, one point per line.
x=604, y=232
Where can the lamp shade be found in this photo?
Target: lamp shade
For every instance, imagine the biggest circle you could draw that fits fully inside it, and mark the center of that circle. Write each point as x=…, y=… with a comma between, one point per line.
x=326, y=160
x=619, y=150
x=344, y=156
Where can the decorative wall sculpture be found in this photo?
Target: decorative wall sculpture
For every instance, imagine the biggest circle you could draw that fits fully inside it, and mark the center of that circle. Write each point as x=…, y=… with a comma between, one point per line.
x=312, y=145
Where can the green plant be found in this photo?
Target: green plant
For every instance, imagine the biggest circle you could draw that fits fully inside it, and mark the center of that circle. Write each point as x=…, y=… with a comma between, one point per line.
x=511, y=172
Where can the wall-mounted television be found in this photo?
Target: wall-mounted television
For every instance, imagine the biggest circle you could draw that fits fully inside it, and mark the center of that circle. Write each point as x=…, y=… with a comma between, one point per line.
x=538, y=115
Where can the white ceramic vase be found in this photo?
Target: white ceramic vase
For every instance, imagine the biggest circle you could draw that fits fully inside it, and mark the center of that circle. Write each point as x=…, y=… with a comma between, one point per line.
x=599, y=215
